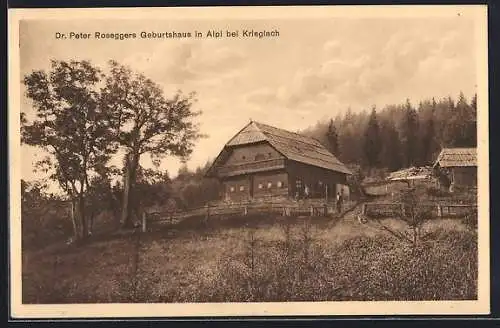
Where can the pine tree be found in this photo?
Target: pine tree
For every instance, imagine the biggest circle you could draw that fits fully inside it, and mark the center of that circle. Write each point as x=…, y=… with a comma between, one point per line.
x=332, y=138
x=410, y=134
x=473, y=105
x=390, y=155
x=461, y=131
x=348, y=141
x=372, y=141
x=472, y=127
x=429, y=143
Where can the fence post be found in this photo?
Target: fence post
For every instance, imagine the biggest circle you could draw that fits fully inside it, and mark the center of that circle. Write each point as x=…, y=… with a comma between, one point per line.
x=207, y=215
x=144, y=227
x=440, y=214
x=312, y=210
x=402, y=209
x=326, y=210
x=245, y=210
x=363, y=209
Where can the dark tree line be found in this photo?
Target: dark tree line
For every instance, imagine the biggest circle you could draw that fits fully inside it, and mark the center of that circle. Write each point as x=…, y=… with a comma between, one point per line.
x=398, y=136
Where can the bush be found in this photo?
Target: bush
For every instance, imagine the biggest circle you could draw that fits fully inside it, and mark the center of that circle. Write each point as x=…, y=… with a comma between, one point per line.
x=436, y=192
x=470, y=219
x=360, y=269
x=45, y=222
x=425, y=214
x=293, y=265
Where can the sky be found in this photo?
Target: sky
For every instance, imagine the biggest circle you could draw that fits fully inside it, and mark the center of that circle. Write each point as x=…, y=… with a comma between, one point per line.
x=314, y=70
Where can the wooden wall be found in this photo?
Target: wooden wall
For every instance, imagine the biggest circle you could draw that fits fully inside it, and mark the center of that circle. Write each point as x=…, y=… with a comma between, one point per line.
x=465, y=176
x=252, y=153
x=256, y=185
x=315, y=178
x=267, y=184
x=232, y=188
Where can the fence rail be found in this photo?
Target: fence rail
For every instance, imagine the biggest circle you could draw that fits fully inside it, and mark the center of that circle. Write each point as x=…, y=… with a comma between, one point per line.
x=313, y=208
x=437, y=210
x=309, y=208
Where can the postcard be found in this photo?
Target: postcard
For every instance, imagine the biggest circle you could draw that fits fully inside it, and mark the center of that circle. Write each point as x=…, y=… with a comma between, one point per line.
x=248, y=161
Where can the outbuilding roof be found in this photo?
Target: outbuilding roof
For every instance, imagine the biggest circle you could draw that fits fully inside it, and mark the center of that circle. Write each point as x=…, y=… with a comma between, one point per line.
x=411, y=173
x=293, y=146
x=457, y=157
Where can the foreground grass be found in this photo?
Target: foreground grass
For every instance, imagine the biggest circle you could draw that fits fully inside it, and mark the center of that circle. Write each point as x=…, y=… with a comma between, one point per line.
x=267, y=261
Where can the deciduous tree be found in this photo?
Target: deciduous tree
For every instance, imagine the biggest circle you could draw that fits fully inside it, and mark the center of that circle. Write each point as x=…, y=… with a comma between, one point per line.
x=70, y=125
x=147, y=122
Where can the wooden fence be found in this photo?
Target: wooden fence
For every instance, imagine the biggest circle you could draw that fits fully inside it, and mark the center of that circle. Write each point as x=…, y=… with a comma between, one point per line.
x=243, y=209
x=436, y=210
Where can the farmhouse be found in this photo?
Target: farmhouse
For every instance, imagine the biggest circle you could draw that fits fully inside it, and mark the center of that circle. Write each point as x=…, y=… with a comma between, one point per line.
x=262, y=161
x=458, y=166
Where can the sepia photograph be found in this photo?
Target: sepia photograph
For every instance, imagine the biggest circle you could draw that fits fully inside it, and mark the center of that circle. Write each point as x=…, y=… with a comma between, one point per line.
x=249, y=161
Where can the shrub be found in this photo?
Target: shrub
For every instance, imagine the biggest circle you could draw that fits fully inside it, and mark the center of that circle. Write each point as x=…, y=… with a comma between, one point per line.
x=443, y=267
x=470, y=219
x=437, y=192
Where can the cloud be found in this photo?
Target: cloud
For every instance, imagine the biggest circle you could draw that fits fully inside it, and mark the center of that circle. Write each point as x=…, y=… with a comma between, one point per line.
x=360, y=78
x=332, y=48
x=185, y=62
x=293, y=81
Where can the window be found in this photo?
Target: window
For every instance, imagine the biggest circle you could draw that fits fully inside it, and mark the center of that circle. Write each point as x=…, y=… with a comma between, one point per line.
x=260, y=186
x=243, y=157
x=269, y=185
x=270, y=155
x=279, y=184
x=231, y=189
x=242, y=188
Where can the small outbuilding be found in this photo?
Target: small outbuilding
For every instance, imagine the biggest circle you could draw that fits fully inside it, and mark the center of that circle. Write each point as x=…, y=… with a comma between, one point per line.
x=412, y=175
x=457, y=167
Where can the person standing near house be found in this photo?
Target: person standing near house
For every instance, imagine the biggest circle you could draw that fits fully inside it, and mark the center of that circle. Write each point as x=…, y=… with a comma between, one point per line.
x=339, y=202
x=306, y=192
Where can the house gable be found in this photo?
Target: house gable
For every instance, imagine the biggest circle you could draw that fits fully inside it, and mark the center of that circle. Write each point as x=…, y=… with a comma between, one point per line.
x=292, y=146
x=251, y=153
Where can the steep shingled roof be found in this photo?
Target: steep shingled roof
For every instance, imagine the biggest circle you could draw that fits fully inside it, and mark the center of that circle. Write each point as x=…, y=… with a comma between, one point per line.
x=293, y=146
x=457, y=157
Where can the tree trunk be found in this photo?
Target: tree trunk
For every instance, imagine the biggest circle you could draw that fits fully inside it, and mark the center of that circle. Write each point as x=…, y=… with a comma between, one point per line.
x=73, y=219
x=132, y=163
x=91, y=222
x=125, y=215
x=83, y=219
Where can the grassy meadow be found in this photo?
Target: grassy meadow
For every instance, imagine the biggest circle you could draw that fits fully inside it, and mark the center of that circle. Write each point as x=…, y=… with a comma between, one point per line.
x=260, y=258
